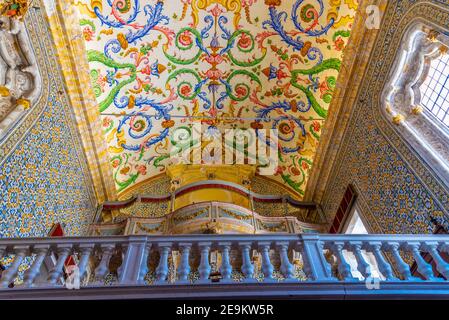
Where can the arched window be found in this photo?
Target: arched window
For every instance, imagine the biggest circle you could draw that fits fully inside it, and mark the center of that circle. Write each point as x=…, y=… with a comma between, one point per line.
x=416, y=95
x=355, y=223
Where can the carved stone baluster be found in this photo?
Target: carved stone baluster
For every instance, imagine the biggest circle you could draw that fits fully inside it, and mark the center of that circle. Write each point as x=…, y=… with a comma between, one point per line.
x=204, y=267
x=129, y=252
x=363, y=266
x=162, y=268
x=267, y=267
x=286, y=267
x=442, y=266
x=226, y=267
x=402, y=267
x=326, y=264
x=144, y=266
x=184, y=266
x=19, y=82
x=444, y=247
x=343, y=267
x=2, y=253
x=9, y=274
x=63, y=252
x=103, y=267
x=384, y=266
x=424, y=268
x=31, y=274
x=247, y=266
x=314, y=259
x=85, y=250
x=134, y=264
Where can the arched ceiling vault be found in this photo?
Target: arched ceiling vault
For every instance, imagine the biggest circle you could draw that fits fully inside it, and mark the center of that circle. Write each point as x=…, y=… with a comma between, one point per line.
x=157, y=66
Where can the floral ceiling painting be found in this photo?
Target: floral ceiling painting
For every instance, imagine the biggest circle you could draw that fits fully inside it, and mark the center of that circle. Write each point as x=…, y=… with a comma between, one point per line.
x=159, y=66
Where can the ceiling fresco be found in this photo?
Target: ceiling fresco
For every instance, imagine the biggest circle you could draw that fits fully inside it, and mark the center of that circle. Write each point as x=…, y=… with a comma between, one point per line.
x=160, y=66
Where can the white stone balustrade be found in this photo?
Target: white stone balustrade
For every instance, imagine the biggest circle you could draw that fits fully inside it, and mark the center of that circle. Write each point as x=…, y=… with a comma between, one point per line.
x=174, y=260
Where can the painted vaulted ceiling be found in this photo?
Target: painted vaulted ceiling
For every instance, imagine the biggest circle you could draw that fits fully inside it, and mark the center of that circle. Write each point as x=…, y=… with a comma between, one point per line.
x=158, y=66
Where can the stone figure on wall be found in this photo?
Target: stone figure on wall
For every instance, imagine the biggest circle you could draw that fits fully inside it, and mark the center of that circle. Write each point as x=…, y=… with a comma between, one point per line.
x=18, y=73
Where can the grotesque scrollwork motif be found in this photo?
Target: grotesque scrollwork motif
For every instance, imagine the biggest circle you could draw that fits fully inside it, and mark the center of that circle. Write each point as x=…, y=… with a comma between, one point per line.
x=18, y=73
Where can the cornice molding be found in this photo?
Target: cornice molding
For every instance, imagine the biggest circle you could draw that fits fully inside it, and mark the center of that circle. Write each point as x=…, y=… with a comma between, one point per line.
x=368, y=104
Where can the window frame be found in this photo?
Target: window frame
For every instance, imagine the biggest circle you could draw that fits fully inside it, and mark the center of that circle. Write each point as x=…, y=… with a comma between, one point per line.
x=401, y=98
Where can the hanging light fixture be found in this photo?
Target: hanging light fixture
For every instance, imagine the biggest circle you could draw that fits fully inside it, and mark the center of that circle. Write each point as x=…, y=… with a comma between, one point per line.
x=15, y=9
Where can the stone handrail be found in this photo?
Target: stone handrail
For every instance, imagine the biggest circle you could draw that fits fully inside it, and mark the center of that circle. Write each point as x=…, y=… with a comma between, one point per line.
x=191, y=260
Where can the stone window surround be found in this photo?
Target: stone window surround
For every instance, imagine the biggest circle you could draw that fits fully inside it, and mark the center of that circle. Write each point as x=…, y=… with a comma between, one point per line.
x=401, y=97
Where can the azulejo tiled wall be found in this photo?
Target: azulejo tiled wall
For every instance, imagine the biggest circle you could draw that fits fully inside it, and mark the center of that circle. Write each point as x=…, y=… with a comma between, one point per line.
x=398, y=192
x=43, y=173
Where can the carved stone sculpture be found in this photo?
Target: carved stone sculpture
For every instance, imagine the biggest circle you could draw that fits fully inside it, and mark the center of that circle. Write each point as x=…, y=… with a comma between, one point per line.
x=19, y=84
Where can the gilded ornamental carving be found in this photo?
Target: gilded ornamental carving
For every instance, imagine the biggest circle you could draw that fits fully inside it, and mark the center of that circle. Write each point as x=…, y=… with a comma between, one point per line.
x=14, y=8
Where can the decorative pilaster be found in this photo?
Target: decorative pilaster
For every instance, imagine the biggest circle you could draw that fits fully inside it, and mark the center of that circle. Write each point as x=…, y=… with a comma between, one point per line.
x=247, y=267
x=442, y=266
